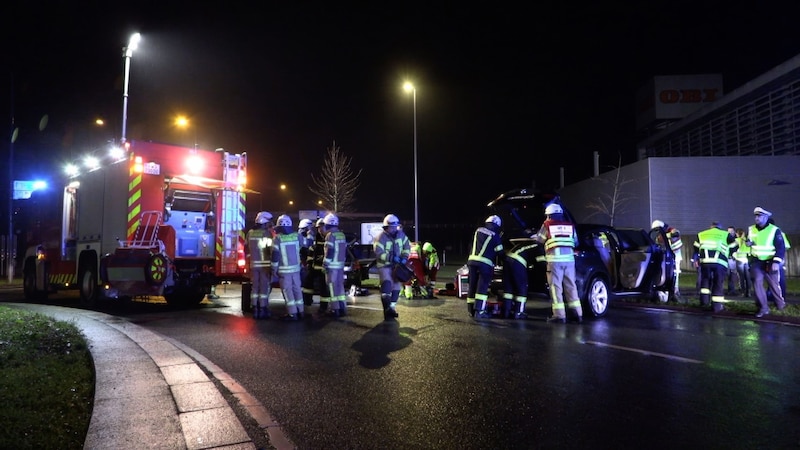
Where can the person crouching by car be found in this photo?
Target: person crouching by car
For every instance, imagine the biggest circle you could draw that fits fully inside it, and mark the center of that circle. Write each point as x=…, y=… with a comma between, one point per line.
x=415, y=261
x=391, y=247
x=430, y=259
x=560, y=239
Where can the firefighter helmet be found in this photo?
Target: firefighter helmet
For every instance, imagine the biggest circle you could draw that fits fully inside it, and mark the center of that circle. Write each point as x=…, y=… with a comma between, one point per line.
x=428, y=247
x=391, y=221
x=493, y=219
x=331, y=220
x=305, y=224
x=263, y=217
x=284, y=221
x=553, y=209
x=657, y=224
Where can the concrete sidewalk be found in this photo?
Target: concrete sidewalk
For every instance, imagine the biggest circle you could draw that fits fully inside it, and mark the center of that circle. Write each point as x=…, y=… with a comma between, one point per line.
x=150, y=391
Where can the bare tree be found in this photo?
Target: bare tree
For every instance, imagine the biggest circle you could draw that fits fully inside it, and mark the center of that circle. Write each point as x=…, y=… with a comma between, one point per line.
x=611, y=203
x=336, y=184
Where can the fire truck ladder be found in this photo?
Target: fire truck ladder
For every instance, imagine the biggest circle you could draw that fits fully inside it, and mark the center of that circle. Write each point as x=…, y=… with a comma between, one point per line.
x=231, y=233
x=146, y=235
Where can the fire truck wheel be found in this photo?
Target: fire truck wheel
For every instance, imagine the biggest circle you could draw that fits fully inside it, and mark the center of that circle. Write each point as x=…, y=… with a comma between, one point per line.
x=156, y=270
x=88, y=285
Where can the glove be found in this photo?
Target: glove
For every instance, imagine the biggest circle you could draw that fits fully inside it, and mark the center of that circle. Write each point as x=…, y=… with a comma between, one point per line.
x=396, y=259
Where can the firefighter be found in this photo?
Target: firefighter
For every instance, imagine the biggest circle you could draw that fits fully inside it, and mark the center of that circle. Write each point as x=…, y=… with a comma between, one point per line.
x=415, y=260
x=333, y=261
x=306, y=232
x=560, y=239
x=712, y=245
x=391, y=247
x=767, y=253
x=515, y=278
x=676, y=244
x=259, y=247
x=430, y=261
x=315, y=278
x=286, y=263
x=741, y=255
x=486, y=246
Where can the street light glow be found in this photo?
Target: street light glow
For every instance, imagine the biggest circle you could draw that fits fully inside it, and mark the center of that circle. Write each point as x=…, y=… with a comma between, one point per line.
x=133, y=43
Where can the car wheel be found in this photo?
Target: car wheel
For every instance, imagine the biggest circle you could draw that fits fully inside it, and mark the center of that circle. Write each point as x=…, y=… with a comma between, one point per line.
x=598, y=296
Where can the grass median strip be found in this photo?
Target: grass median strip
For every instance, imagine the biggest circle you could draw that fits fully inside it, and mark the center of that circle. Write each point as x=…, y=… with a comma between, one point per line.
x=46, y=382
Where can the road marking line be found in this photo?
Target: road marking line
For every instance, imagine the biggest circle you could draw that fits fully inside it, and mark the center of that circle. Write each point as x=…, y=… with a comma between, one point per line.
x=645, y=352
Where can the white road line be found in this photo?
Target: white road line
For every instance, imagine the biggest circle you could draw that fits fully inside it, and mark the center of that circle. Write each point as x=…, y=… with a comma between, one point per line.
x=645, y=352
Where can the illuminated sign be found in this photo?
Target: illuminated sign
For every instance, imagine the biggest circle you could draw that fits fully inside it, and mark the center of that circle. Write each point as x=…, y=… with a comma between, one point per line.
x=152, y=168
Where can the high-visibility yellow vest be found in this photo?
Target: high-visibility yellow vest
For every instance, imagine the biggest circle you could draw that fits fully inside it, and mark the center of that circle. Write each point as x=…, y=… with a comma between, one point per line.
x=713, y=246
x=763, y=247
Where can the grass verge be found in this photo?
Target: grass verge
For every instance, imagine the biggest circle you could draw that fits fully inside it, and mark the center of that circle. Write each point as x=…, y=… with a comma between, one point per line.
x=46, y=382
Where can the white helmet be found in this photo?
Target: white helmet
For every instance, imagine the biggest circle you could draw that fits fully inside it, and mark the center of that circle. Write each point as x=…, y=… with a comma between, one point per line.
x=331, y=220
x=305, y=224
x=657, y=224
x=320, y=222
x=494, y=219
x=553, y=209
x=263, y=217
x=391, y=221
x=284, y=221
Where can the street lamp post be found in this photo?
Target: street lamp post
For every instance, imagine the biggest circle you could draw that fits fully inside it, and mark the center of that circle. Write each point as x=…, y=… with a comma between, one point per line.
x=127, y=52
x=410, y=88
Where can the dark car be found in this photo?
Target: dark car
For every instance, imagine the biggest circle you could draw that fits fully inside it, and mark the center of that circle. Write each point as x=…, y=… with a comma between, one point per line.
x=609, y=261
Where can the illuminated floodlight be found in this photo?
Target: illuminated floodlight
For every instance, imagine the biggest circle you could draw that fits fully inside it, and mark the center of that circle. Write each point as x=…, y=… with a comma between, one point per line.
x=71, y=170
x=195, y=164
x=91, y=162
x=116, y=153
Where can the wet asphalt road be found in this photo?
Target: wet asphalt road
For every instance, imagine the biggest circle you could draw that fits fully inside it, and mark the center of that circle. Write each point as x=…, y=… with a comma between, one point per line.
x=439, y=379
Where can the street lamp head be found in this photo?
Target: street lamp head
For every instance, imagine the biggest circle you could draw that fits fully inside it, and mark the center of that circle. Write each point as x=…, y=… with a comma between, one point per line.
x=133, y=43
x=408, y=87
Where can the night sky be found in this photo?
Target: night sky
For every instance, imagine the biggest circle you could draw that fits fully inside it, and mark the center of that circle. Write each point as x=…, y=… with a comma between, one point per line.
x=506, y=95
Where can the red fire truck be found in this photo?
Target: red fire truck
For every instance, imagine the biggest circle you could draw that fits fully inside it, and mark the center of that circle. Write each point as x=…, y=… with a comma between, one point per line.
x=156, y=220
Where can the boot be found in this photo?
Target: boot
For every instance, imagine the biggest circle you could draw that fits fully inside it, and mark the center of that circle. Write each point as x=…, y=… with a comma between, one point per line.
x=429, y=295
x=342, y=308
x=480, y=310
x=471, y=309
x=323, y=307
x=265, y=312
x=256, y=312
x=519, y=311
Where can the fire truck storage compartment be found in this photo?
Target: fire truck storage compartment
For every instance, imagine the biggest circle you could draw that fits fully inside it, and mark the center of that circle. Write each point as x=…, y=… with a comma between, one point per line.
x=190, y=214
